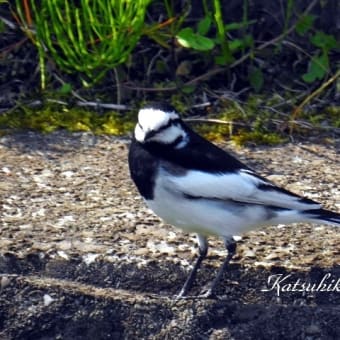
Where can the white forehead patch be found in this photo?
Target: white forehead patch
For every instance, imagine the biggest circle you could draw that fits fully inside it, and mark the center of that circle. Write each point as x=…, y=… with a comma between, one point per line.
x=152, y=120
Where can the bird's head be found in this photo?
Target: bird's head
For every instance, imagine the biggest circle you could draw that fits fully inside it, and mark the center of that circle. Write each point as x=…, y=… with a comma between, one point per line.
x=160, y=123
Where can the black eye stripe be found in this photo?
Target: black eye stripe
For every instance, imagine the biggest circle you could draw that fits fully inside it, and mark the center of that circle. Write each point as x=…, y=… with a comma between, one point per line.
x=168, y=124
x=152, y=133
x=164, y=127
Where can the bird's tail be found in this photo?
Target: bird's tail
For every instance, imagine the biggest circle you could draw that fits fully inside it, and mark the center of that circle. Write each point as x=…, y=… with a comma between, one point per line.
x=323, y=215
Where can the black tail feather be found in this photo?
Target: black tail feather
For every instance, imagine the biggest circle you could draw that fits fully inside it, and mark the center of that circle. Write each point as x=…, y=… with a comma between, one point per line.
x=330, y=217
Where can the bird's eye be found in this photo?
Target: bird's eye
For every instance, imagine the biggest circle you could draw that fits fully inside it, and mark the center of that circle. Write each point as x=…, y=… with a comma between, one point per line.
x=150, y=134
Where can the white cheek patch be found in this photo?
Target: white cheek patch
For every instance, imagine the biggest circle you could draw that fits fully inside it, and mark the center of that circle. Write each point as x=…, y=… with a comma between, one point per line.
x=139, y=134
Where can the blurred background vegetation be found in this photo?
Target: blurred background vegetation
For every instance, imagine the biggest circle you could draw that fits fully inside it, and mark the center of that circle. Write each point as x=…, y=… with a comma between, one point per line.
x=257, y=71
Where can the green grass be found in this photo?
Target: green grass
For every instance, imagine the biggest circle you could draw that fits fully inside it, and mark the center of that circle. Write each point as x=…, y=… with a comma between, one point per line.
x=52, y=117
x=250, y=123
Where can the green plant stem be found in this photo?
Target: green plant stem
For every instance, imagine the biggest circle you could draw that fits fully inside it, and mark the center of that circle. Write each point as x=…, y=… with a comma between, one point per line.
x=298, y=109
x=221, y=32
x=205, y=7
x=245, y=21
x=88, y=37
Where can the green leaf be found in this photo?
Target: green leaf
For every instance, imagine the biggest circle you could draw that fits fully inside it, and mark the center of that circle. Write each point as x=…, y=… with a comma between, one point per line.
x=256, y=79
x=317, y=69
x=248, y=40
x=238, y=25
x=223, y=60
x=324, y=41
x=2, y=27
x=237, y=44
x=65, y=88
x=305, y=23
x=189, y=39
x=220, y=60
x=188, y=89
x=204, y=25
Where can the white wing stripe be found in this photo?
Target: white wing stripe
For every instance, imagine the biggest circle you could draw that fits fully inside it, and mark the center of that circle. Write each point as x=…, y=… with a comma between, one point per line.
x=240, y=186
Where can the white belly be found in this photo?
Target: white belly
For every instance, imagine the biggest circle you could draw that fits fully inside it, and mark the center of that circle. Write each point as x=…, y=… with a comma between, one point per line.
x=204, y=216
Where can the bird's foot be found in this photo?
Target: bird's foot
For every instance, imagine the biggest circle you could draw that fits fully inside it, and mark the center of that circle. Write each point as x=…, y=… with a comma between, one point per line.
x=181, y=295
x=205, y=294
x=208, y=292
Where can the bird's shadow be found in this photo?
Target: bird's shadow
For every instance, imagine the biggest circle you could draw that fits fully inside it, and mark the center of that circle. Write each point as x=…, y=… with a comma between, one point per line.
x=244, y=284
x=54, y=143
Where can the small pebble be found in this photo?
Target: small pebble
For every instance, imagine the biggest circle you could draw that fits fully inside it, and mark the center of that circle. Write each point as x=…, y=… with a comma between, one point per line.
x=47, y=300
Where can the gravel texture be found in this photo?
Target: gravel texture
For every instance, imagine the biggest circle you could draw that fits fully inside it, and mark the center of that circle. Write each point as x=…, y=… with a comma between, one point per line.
x=81, y=257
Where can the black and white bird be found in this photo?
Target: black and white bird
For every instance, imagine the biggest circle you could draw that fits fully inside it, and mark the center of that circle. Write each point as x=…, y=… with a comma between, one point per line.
x=194, y=185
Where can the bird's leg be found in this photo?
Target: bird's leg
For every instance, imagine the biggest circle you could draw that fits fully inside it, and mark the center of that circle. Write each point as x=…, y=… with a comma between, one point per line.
x=230, y=245
x=202, y=253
